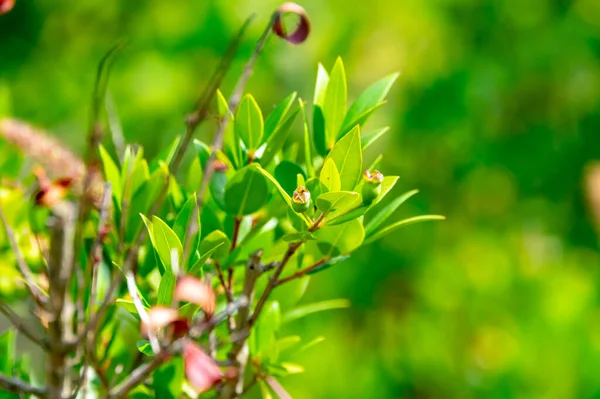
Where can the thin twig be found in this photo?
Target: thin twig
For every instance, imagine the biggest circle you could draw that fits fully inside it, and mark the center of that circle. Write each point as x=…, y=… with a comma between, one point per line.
x=273, y=281
x=217, y=143
x=18, y=323
x=301, y=273
x=95, y=255
x=24, y=269
x=221, y=277
x=16, y=385
x=138, y=375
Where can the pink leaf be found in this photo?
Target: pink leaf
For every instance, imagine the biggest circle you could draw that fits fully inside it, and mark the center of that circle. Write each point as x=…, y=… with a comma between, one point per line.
x=200, y=369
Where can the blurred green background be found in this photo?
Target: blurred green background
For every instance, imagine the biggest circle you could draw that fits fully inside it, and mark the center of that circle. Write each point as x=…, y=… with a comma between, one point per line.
x=494, y=117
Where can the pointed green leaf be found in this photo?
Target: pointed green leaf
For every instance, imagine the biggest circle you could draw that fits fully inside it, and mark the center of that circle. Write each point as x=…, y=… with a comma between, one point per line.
x=166, y=288
x=386, y=212
x=347, y=155
x=112, y=174
x=246, y=192
x=143, y=346
x=337, y=201
x=341, y=239
x=195, y=269
x=231, y=140
x=334, y=107
x=277, y=139
x=319, y=131
x=165, y=156
x=305, y=310
x=308, y=158
x=249, y=123
x=165, y=240
x=369, y=138
x=284, y=195
x=393, y=227
x=330, y=176
x=371, y=99
x=8, y=347
x=321, y=85
x=286, y=174
x=203, y=152
x=276, y=119
x=216, y=240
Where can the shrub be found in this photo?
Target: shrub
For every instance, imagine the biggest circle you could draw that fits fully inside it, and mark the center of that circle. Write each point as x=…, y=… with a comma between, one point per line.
x=148, y=285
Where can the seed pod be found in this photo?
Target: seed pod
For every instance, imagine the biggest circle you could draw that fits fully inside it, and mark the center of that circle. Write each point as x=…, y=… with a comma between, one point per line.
x=301, y=199
x=372, y=186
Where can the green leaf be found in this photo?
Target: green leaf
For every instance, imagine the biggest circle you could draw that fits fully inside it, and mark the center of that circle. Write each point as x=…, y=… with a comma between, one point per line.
x=143, y=346
x=319, y=131
x=166, y=155
x=183, y=217
x=216, y=240
x=376, y=163
x=203, y=152
x=386, y=212
x=166, y=288
x=330, y=177
x=337, y=201
x=165, y=240
x=217, y=185
x=282, y=192
x=369, y=138
x=347, y=155
x=299, y=236
x=246, y=192
x=277, y=139
x=305, y=310
x=276, y=119
x=195, y=269
x=249, y=123
x=321, y=85
x=388, y=183
x=8, y=346
x=286, y=174
x=308, y=158
x=231, y=140
x=393, y=227
x=129, y=306
x=168, y=379
x=311, y=343
x=142, y=200
x=332, y=261
x=367, y=103
x=266, y=332
x=334, y=107
x=112, y=174
x=341, y=239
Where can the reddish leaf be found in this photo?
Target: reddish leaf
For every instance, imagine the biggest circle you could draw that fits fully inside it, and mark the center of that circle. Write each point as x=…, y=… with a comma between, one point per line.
x=6, y=6
x=200, y=369
x=191, y=289
x=302, y=30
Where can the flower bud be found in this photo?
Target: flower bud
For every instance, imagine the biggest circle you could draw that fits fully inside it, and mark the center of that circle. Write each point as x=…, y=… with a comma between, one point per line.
x=372, y=186
x=301, y=199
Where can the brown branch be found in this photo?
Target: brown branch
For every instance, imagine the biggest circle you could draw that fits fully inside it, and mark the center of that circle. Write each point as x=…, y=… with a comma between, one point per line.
x=138, y=375
x=301, y=273
x=18, y=386
x=221, y=277
x=273, y=281
x=18, y=323
x=24, y=269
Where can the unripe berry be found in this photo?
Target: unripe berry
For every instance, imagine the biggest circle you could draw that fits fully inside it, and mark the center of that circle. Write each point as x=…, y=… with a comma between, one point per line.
x=372, y=186
x=301, y=199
